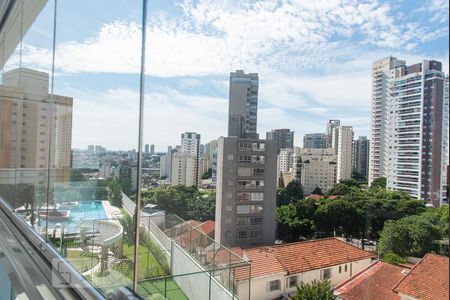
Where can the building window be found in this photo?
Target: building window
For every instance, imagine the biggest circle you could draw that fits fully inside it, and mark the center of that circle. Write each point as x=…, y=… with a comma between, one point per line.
x=291, y=281
x=325, y=274
x=242, y=209
x=228, y=208
x=230, y=157
x=254, y=234
x=242, y=235
x=274, y=285
x=340, y=269
x=345, y=268
x=242, y=171
x=229, y=196
x=228, y=233
x=228, y=221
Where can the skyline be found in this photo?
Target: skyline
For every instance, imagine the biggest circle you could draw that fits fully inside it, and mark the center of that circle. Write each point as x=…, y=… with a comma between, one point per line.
x=313, y=65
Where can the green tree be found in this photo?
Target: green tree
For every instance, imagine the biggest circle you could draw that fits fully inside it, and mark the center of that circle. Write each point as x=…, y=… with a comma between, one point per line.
x=316, y=290
x=202, y=206
x=340, y=216
x=379, y=182
x=409, y=236
x=317, y=191
x=290, y=194
x=207, y=174
x=114, y=193
x=76, y=175
x=393, y=259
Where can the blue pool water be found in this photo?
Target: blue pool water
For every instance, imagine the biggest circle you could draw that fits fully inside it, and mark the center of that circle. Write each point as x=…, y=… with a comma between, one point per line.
x=87, y=210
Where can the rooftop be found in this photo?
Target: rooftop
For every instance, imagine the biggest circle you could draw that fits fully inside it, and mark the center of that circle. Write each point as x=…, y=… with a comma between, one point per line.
x=428, y=280
x=299, y=257
x=374, y=282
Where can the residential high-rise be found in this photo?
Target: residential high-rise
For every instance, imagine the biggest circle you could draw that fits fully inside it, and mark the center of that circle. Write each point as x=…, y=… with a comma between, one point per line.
x=213, y=147
x=184, y=169
x=315, y=168
x=330, y=135
x=35, y=127
x=284, y=138
x=412, y=149
x=190, y=144
x=314, y=140
x=243, y=104
x=147, y=149
x=360, y=156
x=285, y=160
x=246, y=172
x=344, y=153
x=380, y=115
x=152, y=149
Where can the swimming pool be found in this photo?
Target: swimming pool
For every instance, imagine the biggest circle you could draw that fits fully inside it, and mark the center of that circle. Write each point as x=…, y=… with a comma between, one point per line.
x=86, y=210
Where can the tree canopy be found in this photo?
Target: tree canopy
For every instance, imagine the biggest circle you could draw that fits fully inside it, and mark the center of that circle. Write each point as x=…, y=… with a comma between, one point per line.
x=315, y=290
x=186, y=202
x=415, y=235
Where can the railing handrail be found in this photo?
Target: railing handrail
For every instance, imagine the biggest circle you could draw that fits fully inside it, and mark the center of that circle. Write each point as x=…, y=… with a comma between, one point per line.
x=83, y=287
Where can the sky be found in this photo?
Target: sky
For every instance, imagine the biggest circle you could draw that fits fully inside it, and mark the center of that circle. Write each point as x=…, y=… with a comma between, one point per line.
x=313, y=59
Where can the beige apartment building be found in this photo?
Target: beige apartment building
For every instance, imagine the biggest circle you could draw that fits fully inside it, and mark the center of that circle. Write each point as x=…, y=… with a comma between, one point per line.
x=35, y=128
x=315, y=167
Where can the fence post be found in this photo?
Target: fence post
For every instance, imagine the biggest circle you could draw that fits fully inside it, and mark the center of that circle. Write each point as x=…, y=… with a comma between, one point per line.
x=210, y=279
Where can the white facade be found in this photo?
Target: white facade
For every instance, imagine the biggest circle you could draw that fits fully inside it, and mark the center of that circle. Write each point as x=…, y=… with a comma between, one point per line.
x=379, y=121
x=344, y=153
x=286, y=160
x=184, y=169
x=410, y=128
x=260, y=286
x=190, y=143
x=315, y=167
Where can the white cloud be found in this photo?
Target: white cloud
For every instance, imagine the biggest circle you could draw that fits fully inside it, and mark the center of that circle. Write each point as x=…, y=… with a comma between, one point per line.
x=110, y=118
x=214, y=37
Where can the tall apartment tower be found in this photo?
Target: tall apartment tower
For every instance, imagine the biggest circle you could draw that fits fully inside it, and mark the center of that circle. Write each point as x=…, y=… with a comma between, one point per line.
x=344, y=153
x=246, y=172
x=380, y=115
x=35, y=128
x=243, y=104
x=360, y=156
x=314, y=140
x=415, y=144
x=190, y=144
x=330, y=135
x=147, y=149
x=284, y=138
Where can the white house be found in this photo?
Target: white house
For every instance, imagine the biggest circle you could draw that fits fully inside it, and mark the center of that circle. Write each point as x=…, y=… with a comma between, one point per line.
x=277, y=270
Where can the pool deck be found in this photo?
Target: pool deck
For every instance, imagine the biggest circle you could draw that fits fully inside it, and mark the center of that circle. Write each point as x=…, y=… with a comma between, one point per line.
x=113, y=213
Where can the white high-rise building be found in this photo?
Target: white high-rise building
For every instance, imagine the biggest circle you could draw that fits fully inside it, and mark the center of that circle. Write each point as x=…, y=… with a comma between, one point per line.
x=412, y=149
x=344, y=153
x=380, y=115
x=190, y=143
x=285, y=160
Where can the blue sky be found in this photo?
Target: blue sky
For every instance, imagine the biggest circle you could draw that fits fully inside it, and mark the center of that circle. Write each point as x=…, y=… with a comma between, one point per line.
x=313, y=58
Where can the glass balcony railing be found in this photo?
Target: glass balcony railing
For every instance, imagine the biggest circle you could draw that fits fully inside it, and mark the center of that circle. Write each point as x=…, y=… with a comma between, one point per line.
x=60, y=76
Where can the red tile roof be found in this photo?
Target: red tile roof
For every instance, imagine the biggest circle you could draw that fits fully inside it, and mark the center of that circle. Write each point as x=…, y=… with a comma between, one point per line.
x=314, y=197
x=207, y=227
x=373, y=283
x=428, y=280
x=294, y=258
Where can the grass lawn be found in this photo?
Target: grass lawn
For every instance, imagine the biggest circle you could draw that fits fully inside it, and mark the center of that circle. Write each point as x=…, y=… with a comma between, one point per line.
x=81, y=261
x=157, y=289
x=149, y=266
